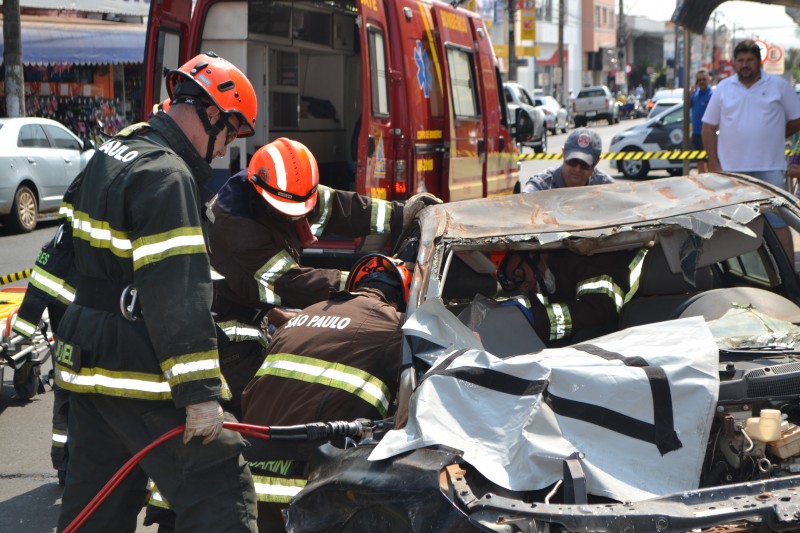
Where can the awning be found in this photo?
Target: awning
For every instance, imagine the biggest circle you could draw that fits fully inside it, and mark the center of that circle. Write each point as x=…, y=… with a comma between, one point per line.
x=553, y=60
x=80, y=43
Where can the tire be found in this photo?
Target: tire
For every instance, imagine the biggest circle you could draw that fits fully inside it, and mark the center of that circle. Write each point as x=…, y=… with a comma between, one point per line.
x=541, y=147
x=24, y=211
x=634, y=169
x=580, y=122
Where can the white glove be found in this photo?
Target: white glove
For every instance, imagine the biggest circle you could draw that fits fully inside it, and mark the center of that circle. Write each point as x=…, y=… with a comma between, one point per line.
x=203, y=420
x=415, y=204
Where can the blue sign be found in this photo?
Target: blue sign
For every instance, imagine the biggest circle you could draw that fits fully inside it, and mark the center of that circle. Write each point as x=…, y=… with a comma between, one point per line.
x=423, y=63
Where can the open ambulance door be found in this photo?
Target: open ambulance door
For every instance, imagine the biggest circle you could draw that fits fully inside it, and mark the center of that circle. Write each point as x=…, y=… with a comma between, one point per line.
x=496, y=162
x=167, y=35
x=375, y=142
x=462, y=104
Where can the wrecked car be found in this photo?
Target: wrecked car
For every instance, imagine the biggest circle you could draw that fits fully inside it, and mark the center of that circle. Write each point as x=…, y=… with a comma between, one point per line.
x=685, y=416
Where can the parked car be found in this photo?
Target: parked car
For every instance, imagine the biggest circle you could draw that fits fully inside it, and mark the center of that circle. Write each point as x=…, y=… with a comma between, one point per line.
x=518, y=97
x=665, y=93
x=663, y=425
x=662, y=105
x=662, y=132
x=554, y=113
x=594, y=103
x=39, y=158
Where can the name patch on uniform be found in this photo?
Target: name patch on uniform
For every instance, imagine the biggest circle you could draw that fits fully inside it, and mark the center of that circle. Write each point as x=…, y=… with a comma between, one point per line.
x=319, y=321
x=118, y=151
x=68, y=355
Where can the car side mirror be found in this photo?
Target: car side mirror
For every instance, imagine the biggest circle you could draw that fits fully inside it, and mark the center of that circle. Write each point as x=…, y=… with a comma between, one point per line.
x=524, y=125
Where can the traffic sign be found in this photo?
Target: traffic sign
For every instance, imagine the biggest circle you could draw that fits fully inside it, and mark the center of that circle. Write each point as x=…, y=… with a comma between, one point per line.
x=764, y=50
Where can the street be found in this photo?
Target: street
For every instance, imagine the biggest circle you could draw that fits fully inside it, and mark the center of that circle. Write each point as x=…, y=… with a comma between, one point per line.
x=29, y=491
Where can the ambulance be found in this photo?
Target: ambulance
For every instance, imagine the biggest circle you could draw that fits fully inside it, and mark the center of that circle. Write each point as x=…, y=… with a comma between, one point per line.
x=393, y=97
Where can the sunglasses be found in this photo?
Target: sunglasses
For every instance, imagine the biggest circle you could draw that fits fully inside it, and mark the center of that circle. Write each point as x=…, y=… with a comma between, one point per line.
x=578, y=163
x=510, y=282
x=231, y=131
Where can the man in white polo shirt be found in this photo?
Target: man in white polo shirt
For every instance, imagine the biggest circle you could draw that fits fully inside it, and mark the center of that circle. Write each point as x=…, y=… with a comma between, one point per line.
x=754, y=112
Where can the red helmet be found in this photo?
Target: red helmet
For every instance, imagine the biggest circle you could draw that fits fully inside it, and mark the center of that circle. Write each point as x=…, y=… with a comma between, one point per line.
x=391, y=271
x=285, y=174
x=223, y=83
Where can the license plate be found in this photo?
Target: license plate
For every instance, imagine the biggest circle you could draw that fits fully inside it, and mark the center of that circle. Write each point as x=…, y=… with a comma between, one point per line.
x=591, y=113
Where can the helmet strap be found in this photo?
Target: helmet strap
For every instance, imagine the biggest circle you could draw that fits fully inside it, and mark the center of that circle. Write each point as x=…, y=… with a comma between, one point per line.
x=212, y=130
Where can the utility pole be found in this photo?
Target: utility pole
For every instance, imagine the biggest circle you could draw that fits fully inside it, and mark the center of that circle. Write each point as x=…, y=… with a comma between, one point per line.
x=714, y=48
x=562, y=96
x=687, y=99
x=512, y=40
x=12, y=59
x=622, y=39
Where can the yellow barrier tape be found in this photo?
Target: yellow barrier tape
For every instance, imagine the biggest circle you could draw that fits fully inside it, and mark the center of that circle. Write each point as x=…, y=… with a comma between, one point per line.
x=16, y=276
x=678, y=155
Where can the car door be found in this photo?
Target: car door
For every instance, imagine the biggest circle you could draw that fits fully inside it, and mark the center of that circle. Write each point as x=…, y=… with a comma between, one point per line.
x=68, y=152
x=44, y=166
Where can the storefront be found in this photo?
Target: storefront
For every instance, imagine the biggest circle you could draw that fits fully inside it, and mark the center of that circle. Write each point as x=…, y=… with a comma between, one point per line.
x=85, y=73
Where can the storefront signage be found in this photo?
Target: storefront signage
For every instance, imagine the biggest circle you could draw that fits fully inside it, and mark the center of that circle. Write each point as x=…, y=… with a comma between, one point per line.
x=119, y=7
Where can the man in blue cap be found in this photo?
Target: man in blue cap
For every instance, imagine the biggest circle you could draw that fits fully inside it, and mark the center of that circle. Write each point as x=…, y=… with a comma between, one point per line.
x=581, y=152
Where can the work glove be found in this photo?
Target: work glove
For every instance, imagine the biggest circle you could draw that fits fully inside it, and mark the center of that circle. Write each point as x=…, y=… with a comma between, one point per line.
x=415, y=204
x=203, y=420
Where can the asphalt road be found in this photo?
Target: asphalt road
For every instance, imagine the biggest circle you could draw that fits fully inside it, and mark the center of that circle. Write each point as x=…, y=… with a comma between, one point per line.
x=30, y=496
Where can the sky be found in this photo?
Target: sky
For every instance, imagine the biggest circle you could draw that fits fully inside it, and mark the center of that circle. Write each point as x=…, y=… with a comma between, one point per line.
x=752, y=19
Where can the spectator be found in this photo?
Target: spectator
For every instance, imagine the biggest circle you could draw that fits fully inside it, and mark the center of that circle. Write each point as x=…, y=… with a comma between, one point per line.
x=581, y=153
x=754, y=113
x=700, y=98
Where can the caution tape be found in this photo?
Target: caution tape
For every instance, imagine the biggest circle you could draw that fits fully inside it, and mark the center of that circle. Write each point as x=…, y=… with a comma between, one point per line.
x=16, y=276
x=678, y=155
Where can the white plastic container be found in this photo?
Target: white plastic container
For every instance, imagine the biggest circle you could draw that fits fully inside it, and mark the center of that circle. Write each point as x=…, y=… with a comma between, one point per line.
x=764, y=428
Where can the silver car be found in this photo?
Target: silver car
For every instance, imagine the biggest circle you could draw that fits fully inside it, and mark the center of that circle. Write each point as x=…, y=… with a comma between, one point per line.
x=39, y=158
x=555, y=115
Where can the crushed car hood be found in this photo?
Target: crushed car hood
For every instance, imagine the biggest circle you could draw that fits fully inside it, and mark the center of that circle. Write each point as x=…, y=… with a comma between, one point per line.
x=647, y=392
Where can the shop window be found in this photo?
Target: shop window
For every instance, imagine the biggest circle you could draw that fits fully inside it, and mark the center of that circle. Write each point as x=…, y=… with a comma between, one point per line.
x=32, y=136
x=462, y=80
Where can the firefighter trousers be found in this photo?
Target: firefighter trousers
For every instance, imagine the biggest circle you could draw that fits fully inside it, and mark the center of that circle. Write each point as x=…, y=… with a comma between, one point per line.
x=209, y=487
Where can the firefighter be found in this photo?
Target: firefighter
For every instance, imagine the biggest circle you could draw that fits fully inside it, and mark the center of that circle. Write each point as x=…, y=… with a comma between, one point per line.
x=335, y=360
x=137, y=347
x=569, y=297
x=262, y=219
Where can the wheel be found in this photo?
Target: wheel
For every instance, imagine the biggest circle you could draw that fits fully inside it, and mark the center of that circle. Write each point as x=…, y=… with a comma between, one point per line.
x=541, y=148
x=24, y=211
x=26, y=380
x=580, y=122
x=634, y=169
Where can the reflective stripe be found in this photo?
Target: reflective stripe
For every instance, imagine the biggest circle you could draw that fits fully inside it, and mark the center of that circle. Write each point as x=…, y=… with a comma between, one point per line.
x=100, y=235
x=381, y=216
x=560, y=321
x=311, y=370
x=266, y=276
x=23, y=327
x=601, y=285
x=154, y=248
x=111, y=383
x=277, y=489
x=324, y=205
x=50, y=284
x=65, y=211
x=156, y=499
x=216, y=275
x=636, y=273
x=59, y=438
x=191, y=367
x=239, y=332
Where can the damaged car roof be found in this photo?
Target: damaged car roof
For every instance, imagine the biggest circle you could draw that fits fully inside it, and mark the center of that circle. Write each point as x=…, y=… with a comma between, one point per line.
x=601, y=209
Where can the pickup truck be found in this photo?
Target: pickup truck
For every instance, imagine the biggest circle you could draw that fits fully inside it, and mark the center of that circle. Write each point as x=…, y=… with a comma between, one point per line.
x=594, y=103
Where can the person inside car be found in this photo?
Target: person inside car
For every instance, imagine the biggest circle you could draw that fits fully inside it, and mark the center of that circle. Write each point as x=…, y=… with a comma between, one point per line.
x=581, y=152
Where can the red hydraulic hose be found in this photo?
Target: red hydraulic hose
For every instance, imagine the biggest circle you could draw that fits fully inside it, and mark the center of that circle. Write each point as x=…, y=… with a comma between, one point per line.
x=260, y=432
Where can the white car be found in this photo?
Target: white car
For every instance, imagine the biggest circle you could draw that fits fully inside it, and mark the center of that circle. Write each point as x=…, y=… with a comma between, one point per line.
x=555, y=115
x=662, y=105
x=39, y=158
x=517, y=97
x=662, y=132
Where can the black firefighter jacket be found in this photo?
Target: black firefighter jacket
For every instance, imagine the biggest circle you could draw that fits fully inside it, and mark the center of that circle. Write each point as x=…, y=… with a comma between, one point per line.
x=136, y=220
x=259, y=254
